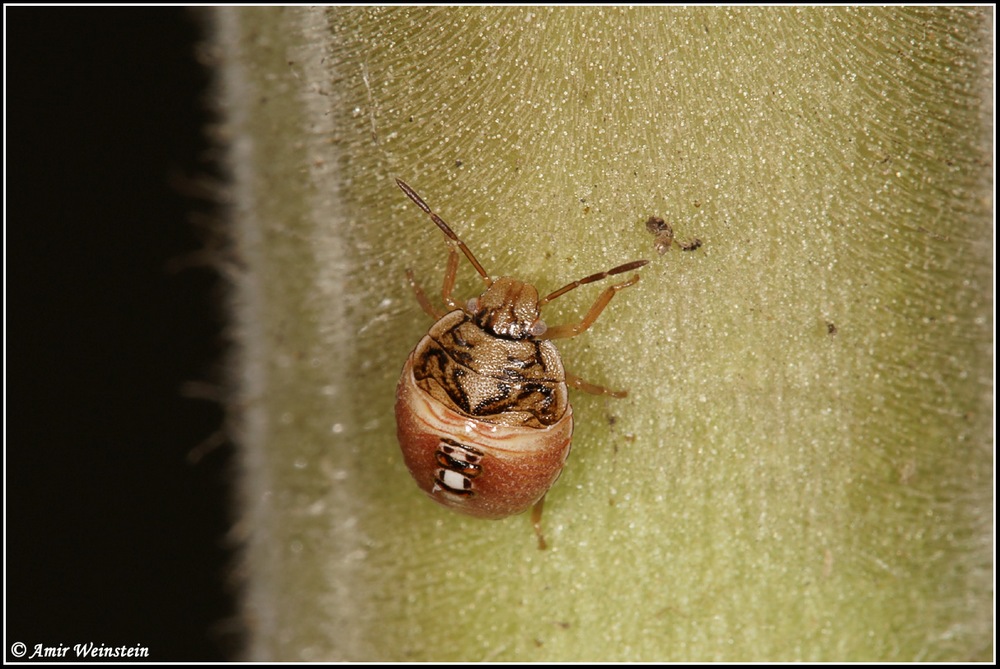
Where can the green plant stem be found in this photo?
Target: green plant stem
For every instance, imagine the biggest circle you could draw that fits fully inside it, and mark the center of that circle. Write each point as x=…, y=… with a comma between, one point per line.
x=802, y=468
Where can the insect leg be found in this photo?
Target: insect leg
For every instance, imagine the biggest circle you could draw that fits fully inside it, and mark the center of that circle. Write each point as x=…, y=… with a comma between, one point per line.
x=449, y=278
x=576, y=382
x=573, y=329
x=425, y=304
x=536, y=522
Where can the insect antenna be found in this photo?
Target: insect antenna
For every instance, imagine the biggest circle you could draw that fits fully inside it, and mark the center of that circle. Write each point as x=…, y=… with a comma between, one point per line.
x=412, y=194
x=636, y=264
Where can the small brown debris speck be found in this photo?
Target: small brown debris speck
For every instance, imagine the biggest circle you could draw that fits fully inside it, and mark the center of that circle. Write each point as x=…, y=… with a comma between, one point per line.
x=656, y=225
x=665, y=236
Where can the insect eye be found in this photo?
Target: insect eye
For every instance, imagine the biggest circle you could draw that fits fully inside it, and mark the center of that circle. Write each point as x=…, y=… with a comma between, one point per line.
x=538, y=328
x=472, y=306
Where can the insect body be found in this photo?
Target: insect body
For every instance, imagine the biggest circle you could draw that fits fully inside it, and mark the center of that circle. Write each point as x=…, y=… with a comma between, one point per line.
x=482, y=408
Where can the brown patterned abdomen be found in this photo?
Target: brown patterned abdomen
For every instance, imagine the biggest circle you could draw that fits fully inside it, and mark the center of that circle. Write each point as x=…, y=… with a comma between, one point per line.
x=497, y=380
x=476, y=467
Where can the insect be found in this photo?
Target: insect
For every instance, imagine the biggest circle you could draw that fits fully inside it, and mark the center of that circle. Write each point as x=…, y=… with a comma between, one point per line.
x=482, y=408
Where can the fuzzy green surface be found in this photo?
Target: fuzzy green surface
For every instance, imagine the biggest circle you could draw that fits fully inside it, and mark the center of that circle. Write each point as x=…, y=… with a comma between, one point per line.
x=803, y=467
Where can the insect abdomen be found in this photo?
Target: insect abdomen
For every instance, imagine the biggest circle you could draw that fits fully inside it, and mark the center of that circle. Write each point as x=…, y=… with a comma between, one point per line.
x=483, y=469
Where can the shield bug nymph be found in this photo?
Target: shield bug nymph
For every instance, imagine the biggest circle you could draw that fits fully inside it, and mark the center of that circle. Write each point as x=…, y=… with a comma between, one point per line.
x=482, y=408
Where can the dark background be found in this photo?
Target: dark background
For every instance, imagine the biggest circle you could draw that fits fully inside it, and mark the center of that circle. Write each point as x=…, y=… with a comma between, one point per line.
x=112, y=535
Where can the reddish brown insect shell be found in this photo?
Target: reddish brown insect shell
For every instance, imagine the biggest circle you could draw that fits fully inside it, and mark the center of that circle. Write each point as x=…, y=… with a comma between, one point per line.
x=482, y=408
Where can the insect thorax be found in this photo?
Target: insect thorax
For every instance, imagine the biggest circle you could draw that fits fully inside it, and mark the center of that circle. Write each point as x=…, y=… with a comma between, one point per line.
x=490, y=378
